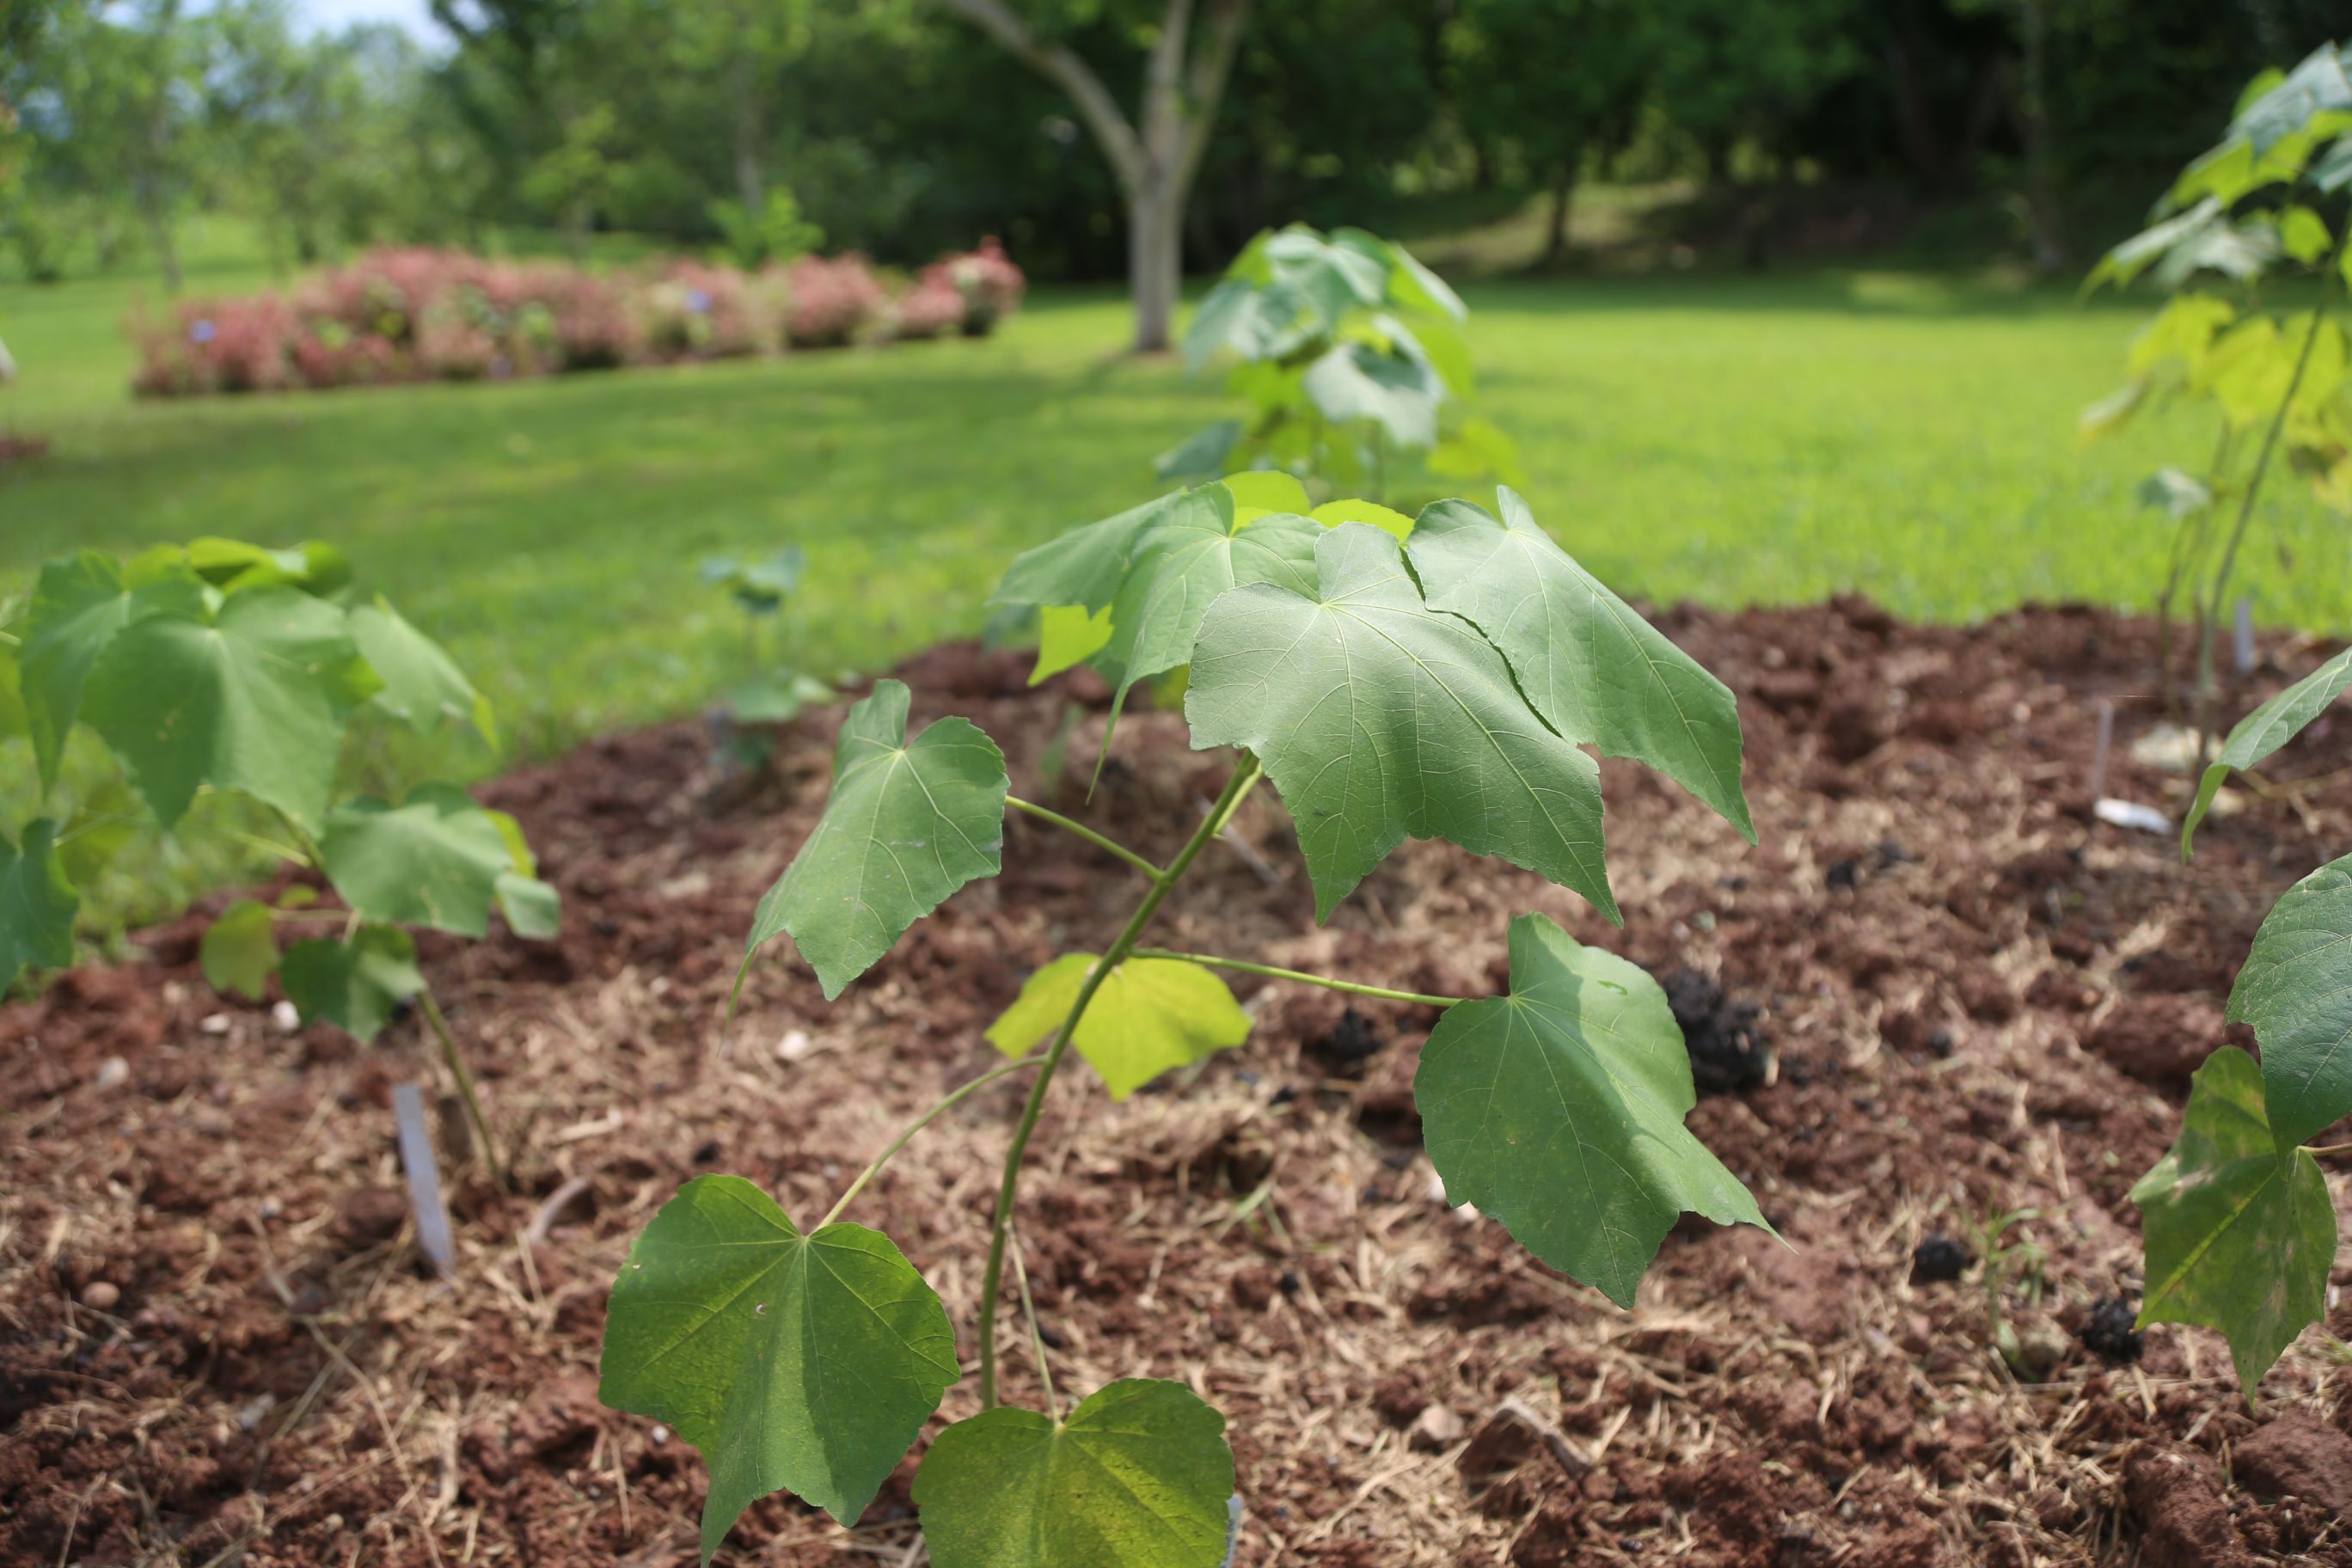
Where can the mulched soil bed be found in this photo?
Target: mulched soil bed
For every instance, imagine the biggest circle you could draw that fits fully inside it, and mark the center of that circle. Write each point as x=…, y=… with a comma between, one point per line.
x=1936, y=993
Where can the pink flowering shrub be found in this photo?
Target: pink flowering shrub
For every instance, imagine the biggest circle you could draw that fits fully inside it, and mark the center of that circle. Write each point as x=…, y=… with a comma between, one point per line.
x=416, y=314
x=832, y=302
x=986, y=281
x=931, y=309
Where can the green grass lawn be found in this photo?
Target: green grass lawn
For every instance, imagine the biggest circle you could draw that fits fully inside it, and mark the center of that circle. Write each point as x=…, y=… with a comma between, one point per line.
x=1733, y=440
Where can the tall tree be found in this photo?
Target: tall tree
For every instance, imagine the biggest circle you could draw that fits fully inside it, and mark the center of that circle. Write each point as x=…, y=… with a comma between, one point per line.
x=1155, y=155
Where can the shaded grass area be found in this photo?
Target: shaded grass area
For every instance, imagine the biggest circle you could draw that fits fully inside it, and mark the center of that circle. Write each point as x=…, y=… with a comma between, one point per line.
x=1730, y=440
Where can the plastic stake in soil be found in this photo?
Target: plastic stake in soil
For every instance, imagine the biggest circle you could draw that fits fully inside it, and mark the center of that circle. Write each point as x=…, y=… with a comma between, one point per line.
x=424, y=1179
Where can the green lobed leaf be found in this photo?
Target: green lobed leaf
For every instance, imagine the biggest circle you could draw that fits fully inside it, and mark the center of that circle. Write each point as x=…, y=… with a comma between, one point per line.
x=2152, y=244
x=423, y=686
x=80, y=603
x=2295, y=989
x=1149, y=1016
x=1395, y=393
x=239, y=952
x=1137, y=1477
x=1558, y=1111
x=433, y=860
x=36, y=904
x=234, y=566
x=1377, y=717
x=533, y=909
x=2320, y=85
x=1085, y=566
x=1202, y=455
x=1256, y=492
x=356, y=983
x=1332, y=513
x=2239, y=1238
x=2261, y=733
x=1196, y=552
x=795, y=1363
x=1598, y=673
x=251, y=697
x=908, y=822
x=1068, y=636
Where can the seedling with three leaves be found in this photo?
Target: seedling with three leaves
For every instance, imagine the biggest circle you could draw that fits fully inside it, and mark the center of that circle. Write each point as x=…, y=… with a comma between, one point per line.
x=769, y=692
x=1429, y=678
x=1349, y=356
x=222, y=665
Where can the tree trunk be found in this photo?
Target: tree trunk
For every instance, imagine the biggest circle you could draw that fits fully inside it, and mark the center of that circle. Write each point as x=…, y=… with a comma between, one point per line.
x=2042, y=213
x=1155, y=251
x=1563, y=194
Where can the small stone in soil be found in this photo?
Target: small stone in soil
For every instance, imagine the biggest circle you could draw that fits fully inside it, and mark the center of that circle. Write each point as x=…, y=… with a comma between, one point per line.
x=1937, y=1259
x=1349, y=1043
x=2108, y=1332
x=1846, y=874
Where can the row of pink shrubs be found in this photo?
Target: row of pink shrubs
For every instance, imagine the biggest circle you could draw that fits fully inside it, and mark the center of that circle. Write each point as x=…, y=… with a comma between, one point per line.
x=423, y=315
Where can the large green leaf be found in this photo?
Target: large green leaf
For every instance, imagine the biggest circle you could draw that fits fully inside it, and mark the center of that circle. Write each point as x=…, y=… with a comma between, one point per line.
x=1600, y=674
x=1330, y=279
x=2261, y=733
x=1396, y=393
x=1150, y=1014
x=79, y=603
x=2296, y=991
x=36, y=904
x=354, y=984
x=1378, y=717
x=2239, y=1238
x=1203, y=453
x=1558, y=1111
x=1085, y=566
x=1136, y=1477
x=239, y=952
x=1183, y=563
x=799, y=1362
x=423, y=686
x=2320, y=85
x=435, y=859
x=908, y=822
x=253, y=698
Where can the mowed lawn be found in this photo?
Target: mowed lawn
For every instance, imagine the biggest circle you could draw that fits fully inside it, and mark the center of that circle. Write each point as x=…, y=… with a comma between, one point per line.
x=1733, y=440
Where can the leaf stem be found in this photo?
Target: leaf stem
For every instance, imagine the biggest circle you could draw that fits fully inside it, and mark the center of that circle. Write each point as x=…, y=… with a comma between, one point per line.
x=451, y=1054
x=2329, y=1151
x=1380, y=992
x=947, y=1103
x=1037, y=1336
x=2212, y=618
x=993, y=1279
x=1099, y=841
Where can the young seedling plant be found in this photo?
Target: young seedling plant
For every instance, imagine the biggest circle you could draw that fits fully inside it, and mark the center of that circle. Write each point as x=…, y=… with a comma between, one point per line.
x=226, y=666
x=2239, y=1227
x=1438, y=677
x=2266, y=206
x=770, y=692
x=1348, y=354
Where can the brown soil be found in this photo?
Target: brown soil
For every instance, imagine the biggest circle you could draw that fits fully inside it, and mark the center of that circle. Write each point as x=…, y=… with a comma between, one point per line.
x=215, y=1338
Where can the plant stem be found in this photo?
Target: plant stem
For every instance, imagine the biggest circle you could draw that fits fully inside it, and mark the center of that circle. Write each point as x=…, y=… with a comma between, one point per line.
x=946, y=1104
x=449, y=1053
x=2327, y=1152
x=1099, y=841
x=1036, y=1337
x=993, y=1279
x=2212, y=617
x=1379, y=993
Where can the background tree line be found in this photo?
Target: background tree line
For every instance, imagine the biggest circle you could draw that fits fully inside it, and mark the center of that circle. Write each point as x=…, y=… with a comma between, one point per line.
x=906, y=127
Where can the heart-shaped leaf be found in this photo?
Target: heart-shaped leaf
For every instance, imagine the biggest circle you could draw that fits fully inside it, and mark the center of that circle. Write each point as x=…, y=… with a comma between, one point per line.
x=1598, y=672
x=908, y=822
x=423, y=686
x=1377, y=717
x=1558, y=1111
x=1149, y=1016
x=2239, y=1238
x=79, y=603
x=433, y=860
x=795, y=1363
x=36, y=904
x=2296, y=991
x=1136, y=1477
x=239, y=952
x=356, y=984
x=251, y=697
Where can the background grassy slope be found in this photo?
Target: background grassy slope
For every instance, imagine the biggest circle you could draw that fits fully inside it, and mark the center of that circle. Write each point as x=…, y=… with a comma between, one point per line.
x=1734, y=440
